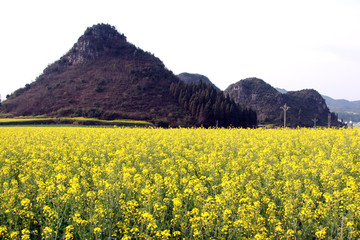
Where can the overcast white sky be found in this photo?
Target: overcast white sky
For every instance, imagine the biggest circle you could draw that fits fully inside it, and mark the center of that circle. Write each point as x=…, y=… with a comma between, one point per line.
x=289, y=44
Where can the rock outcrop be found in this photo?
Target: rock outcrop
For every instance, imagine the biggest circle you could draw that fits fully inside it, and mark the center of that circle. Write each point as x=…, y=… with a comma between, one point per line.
x=305, y=105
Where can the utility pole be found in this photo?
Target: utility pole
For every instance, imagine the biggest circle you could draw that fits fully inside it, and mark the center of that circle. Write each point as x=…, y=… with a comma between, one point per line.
x=315, y=120
x=285, y=108
x=329, y=120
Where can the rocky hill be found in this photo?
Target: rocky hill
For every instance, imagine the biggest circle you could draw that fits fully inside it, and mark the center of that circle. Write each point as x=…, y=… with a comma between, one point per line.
x=347, y=111
x=104, y=76
x=305, y=105
x=196, y=78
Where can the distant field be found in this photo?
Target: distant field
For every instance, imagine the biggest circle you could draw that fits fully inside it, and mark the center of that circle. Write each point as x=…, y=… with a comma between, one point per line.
x=146, y=183
x=75, y=121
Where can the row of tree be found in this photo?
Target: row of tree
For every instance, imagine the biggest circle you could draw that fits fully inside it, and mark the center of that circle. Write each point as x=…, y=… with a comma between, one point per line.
x=210, y=107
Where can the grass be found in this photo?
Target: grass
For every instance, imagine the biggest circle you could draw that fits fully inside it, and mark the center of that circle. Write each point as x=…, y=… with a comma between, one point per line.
x=72, y=121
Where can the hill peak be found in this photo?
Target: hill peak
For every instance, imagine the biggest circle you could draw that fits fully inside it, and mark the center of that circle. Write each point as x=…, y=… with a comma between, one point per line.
x=196, y=79
x=252, y=86
x=97, y=40
x=100, y=30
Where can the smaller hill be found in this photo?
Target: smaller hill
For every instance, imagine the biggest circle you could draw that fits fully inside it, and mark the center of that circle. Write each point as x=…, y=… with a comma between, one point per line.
x=347, y=110
x=282, y=90
x=305, y=105
x=256, y=94
x=196, y=79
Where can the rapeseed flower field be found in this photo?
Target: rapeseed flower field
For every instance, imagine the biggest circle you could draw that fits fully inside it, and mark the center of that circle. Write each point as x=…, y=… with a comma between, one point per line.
x=122, y=183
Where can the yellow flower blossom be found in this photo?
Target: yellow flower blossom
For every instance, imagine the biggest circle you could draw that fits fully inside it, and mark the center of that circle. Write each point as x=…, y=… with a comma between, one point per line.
x=25, y=234
x=87, y=183
x=97, y=230
x=69, y=232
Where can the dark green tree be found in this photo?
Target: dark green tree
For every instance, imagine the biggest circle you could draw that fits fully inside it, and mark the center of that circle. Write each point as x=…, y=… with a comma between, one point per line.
x=211, y=108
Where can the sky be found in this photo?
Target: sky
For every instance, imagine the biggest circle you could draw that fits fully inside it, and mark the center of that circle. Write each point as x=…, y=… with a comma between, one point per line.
x=290, y=44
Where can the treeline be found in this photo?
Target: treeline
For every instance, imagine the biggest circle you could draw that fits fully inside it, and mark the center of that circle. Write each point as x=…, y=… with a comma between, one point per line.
x=210, y=107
